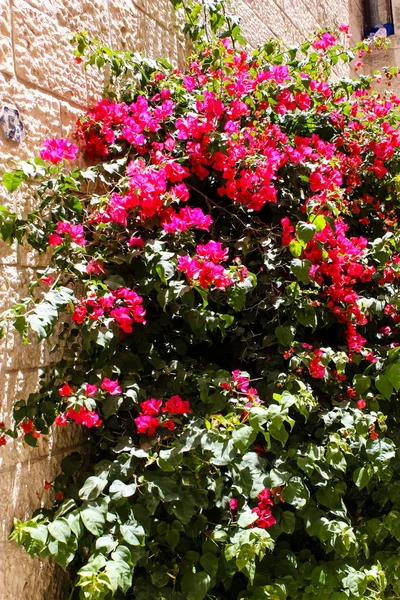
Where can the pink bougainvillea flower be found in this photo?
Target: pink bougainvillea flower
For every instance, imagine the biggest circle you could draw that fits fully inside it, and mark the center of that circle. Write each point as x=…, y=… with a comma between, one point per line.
x=233, y=504
x=90, y=389
x=79, y=314
x=85, y=417
x=95, y=267
x=47, y=280
x=146, y=424
x=55, y=150
x=111, y=386
x=151, y=407
x=136, y=242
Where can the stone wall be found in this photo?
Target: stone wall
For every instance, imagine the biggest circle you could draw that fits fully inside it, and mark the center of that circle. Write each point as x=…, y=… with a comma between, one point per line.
x=38, y=76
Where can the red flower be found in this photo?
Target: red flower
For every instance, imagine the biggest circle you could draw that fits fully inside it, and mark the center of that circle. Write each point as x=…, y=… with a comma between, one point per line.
x=110, y=386
x=90, y=389
x=361, y=404
x=136, y=242
x=65, y=391
x=60, y=496
x=47, y=485
x=151, y=407
x=176, y=406
x=61, y=420
x=168, y=424
x=3, y=440
x=233, y=504
x=26, y=427
x=317, y=370
x=47, y=280
x=96, y=267
x=55, y=240
x=79, y=314
x=55, y=150
x=146, y=424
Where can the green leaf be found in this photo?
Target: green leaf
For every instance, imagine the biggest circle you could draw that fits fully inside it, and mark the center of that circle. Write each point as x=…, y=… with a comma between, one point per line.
x=60, y=530
x=305, y=231
x=288, y=522
x=93, y=519
x=246, y=517
x=132, y=534
x=301, y=269
x=307, y=317
x=119, y=490
x=114, y=282
x=119, y=574
x=92, y=488
x=295, y=248
x=384, y=386
x=361, y=383
x=173, y=537
x=319, y=221
x=381, y=450
x=12, y=181
x=209, y=563
x=362, y=476
x=243, y=437
x=356, y=583
x=195, y=585
x=393, y=375
x=296, y=493
x=285, y=334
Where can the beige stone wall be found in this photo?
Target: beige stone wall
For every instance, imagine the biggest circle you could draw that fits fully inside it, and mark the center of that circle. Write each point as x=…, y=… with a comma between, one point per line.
x=38, y=75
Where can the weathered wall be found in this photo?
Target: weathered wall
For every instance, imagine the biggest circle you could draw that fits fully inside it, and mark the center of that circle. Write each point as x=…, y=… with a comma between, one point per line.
x=38, y=75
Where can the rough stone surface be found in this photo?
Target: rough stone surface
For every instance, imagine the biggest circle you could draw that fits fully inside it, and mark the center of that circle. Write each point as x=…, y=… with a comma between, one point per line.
x=38, y=75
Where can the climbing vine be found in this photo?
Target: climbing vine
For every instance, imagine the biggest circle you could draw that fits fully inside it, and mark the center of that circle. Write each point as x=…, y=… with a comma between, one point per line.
x=224, y=285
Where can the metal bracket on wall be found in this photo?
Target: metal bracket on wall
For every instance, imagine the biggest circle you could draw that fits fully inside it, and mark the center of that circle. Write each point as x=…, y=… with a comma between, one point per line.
x=12, y=124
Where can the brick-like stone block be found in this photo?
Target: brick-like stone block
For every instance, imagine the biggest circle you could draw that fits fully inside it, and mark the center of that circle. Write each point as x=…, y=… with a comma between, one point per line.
x=40, y=114
x=6, y=53
x=44, y=57
x=90, y=15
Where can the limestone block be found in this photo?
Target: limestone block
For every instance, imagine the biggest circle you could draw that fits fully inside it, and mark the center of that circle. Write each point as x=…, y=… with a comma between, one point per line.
x=161, y=11
x=8, y=254
x=333, y=14
x=90, y=15
x=44, y=56
x=41, y=579
x=124, y=27
x=254, y=29
x=24, y=577
x=69, y=116
x=276, y=20
x=40, y=114
x=6, y=56
x=95, y=82
x=301, y=15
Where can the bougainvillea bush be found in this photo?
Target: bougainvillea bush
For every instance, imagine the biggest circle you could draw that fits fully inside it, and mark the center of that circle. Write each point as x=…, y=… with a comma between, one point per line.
x=224, y=284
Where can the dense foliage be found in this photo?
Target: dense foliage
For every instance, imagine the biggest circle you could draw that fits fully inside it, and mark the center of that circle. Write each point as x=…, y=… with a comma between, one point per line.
x=224, y=283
